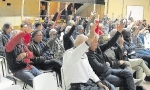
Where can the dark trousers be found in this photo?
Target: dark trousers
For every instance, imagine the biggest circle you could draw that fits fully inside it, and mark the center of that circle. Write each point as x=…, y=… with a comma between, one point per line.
x=52, y=64
x=121, y=78
x=90, y=85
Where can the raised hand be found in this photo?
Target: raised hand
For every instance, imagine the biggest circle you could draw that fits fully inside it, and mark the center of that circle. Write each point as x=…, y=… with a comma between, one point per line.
x=92, y=33
x=120, y=27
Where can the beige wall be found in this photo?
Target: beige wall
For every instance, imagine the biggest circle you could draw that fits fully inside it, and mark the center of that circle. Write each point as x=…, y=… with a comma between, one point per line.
x=115, y=6
x=12, y=13
x=31, y=8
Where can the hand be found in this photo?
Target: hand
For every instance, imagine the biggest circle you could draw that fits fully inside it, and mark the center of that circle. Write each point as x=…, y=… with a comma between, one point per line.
x=21, y=56
x=102, y=85
x=121, y=62
x=75, y=11
x=66, y=5
x=130, y=12
x=92, y=33
x=93, y=14
x=106, y=88
x=120, y=27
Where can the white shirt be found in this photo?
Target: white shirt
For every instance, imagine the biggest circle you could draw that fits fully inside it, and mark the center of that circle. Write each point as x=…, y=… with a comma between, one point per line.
x=76, y=67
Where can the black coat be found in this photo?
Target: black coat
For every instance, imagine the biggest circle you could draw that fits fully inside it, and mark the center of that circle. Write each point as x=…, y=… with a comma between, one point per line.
x=98, y=60
x=38, y=57
x=14, y=65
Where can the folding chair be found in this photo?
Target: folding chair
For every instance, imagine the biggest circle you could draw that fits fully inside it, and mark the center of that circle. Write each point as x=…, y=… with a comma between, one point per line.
x=63, y=81
x=7, y=73
x=13, y=87
x=54, y=74
x=45, y=81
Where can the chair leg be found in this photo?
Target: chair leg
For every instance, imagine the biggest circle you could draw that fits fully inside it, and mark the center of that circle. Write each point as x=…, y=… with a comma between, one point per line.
x=11, y=78
x=24, y=86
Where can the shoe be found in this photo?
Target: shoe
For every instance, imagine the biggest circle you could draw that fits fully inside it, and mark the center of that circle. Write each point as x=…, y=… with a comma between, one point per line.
x=136, y=81
x=147, y=78
x=140, y=88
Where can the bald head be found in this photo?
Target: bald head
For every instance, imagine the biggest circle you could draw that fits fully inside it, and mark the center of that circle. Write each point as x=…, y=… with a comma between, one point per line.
x=80, y=39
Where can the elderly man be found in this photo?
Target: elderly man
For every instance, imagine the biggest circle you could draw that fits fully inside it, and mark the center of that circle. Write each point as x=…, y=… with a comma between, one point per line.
x=76, y=68
x=78, y=31
x=97, y=60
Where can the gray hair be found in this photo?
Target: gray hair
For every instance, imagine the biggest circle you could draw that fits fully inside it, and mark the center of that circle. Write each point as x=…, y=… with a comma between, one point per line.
x=51, y=31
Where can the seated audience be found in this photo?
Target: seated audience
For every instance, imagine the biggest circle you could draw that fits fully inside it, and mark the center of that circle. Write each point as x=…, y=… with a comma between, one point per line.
x=131, y=51
x=97, y=60
x=115, y=55
x=78, y=74
x=18, y=58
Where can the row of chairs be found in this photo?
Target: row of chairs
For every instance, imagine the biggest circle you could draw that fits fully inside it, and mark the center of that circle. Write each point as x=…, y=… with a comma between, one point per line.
x=48, y=80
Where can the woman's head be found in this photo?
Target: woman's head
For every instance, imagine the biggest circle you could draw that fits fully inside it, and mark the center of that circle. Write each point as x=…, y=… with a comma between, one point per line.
x=37, y=36
x=7, y=28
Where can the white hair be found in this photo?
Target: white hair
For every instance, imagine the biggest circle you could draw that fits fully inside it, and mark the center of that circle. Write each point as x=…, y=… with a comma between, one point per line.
x=51, y=31
x=67, y=29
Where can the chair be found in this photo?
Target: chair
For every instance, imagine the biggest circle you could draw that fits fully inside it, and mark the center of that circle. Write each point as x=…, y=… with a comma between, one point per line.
x=7, y=73
x=54, y=73
x=63, y=81
x=13, y=87
x=45, y=81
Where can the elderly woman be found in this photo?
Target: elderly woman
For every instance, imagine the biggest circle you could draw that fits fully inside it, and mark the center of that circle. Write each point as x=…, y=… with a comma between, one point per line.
x=18, y=58
x=4, y=37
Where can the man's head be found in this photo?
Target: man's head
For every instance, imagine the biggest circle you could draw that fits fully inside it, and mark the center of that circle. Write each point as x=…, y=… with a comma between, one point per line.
x=80, y=29
x=126, y=35
x=52, y=33
x=38, y=26
x=80, y=39
x=27, y=21
x=36, y=20
x=144, y=21
x=37, y=36
x=50, y=24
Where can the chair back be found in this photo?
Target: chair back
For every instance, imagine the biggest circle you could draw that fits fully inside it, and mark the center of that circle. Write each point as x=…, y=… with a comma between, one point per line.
x=45, y=81
x=63, y=81
x=13, y=87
